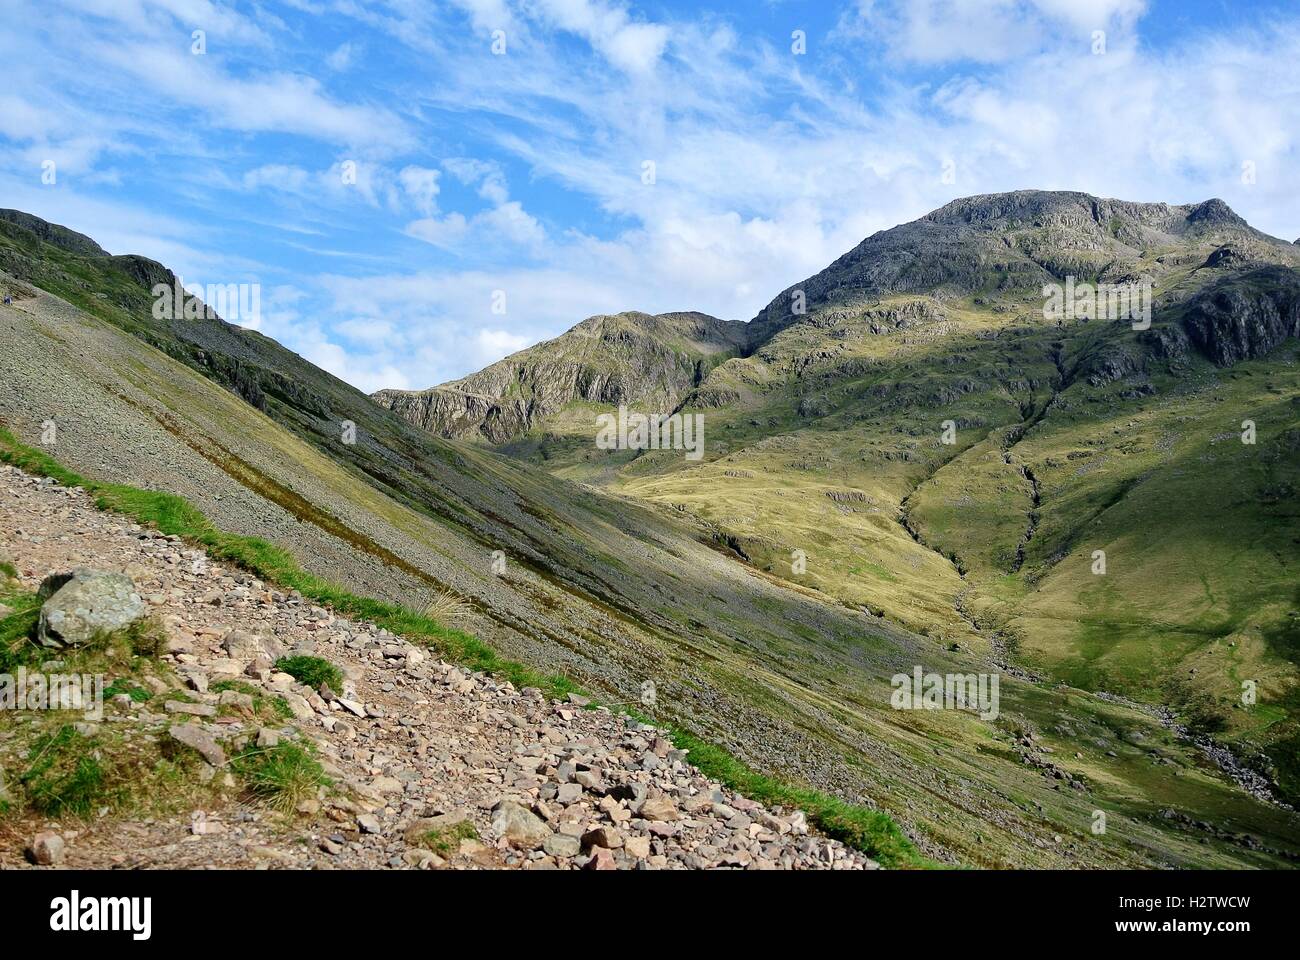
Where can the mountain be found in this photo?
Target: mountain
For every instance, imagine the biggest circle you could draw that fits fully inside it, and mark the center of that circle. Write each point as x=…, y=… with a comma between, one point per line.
x=679, y=572
x=1173, y=450
x=603, y=360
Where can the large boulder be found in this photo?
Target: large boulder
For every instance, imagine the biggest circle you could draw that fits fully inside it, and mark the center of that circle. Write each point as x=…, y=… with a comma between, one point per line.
x=86, y=604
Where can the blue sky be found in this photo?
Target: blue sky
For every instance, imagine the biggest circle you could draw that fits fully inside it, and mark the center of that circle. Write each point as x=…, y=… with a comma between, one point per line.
x=524, y=170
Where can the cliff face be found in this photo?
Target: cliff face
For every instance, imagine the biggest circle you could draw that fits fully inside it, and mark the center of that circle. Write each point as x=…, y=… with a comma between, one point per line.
x=1246, y=316
x=455, y=413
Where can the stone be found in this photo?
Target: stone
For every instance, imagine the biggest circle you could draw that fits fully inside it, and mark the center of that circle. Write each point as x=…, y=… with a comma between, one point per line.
x=86, y=604
x=240, y=701
x=520, y=828
x=192, y=709
x=422, y=859
x=368, y=823
x=638, y=847
x=568, y=793
x=298, y=706
x=601, y=859
x=560, y=845
x=602, y=836
x=242, y=645
x=267, y=738
x=46, y=849
x=658, y=808
x=199, y=739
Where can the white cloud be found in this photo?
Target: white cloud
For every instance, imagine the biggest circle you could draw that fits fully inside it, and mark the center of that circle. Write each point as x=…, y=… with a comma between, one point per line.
x=988, y=31
x=421, y=187
x=341, y=58
x=629, y=45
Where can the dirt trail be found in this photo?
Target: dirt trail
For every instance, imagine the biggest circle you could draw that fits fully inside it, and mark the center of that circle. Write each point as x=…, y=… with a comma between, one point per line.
x=409, y=742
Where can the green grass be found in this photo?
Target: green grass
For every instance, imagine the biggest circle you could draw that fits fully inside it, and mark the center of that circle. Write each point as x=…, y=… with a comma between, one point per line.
x=288, y=771
x=123, y=686
x=17, y=646
x=870, y=831
x=63, y=776
x=281, y=776
x=68, y=774
x=312, y=671
x=445, y=841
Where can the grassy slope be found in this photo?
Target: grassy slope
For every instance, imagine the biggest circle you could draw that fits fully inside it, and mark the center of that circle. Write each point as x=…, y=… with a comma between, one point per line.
x=868, y=830
x=1199, y=529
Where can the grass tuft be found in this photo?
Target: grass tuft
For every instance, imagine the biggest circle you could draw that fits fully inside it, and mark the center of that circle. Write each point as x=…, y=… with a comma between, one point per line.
x=445, y=841
x=312, y=671
x=281, y=776
x=446, y=607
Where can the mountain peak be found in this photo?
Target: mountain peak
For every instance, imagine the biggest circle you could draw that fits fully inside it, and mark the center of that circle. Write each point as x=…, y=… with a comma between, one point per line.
x=55, y=234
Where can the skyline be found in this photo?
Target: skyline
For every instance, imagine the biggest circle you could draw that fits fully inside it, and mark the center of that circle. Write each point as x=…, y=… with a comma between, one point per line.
x=524, y=169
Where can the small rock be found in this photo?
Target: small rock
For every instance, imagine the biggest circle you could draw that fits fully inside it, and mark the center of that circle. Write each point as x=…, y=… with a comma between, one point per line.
x=46, y=850
x=199, y=739
x=520, y=828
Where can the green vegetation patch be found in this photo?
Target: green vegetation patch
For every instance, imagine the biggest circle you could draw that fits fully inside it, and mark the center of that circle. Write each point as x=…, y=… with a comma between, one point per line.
x=281, y=776
x=312, y=671
x=445, y=841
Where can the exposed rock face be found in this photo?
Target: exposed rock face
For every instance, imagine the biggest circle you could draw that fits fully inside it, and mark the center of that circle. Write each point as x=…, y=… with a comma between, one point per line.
x=631, y=358
x=1246, y=316
x=1007, y=242
x=85, y=604
x=455, y=413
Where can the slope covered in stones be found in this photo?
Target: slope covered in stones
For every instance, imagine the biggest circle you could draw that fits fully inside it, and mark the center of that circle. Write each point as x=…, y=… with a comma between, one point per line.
x=423, y=765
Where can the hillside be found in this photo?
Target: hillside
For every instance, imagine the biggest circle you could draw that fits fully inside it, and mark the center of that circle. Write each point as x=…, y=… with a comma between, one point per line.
x=1070, y=435
x=610, y=591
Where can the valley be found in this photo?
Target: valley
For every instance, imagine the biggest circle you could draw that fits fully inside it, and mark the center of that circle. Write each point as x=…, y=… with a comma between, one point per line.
x=823, y=435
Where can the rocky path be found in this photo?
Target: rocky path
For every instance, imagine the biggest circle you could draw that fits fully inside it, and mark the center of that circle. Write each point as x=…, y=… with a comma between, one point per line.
x=412, y=744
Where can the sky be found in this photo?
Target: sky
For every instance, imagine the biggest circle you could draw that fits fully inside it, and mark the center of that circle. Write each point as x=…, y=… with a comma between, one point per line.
x=421, y=187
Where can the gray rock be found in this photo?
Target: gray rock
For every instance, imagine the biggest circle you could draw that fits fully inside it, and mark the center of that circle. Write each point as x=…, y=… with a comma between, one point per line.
x=199, y=739
x=86, y=604
x=559, y=845
x=521, y=828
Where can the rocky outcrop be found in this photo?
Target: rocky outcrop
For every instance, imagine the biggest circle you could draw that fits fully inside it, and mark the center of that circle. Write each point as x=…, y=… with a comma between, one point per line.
x=55, y=234
x=455, y=413
x=1246, y=316
x=630, y=358
x=86, y=604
